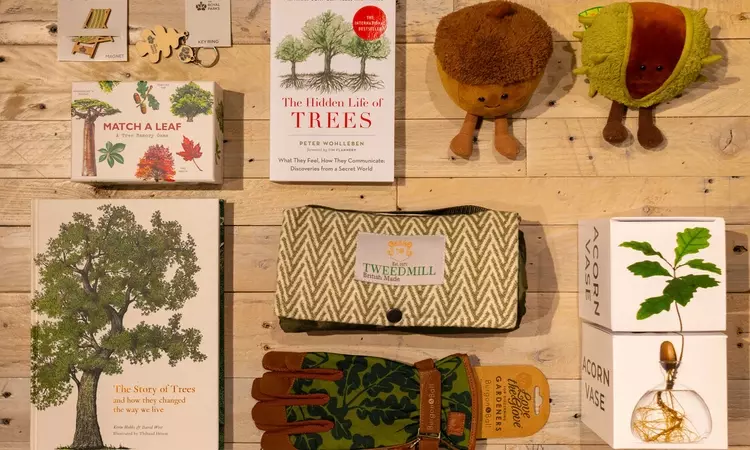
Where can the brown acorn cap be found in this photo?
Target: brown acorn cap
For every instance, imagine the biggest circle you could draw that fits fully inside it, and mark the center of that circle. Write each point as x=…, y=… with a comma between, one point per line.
x=497, y=42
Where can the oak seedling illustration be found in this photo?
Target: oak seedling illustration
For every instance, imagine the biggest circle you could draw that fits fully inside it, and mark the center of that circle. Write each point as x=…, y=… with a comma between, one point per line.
x=156, y=164
x=292, y=50
x=91, y=275
x=190, y=100
x=364, y=50
x=88, y=110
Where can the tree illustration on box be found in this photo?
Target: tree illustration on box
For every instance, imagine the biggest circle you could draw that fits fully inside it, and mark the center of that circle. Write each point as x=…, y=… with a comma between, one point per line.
x=190, y=100
x=156, y=164
x=292, y=50
x=364, y=50
x=89, y=109
x=92, y=273
x=328, y=35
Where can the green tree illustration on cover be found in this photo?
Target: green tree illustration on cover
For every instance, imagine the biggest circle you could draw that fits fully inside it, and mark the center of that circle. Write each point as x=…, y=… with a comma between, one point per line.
x=679, y=289
x=91, y=274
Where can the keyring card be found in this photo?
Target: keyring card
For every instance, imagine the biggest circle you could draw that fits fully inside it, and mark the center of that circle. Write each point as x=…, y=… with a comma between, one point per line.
x=209, y=23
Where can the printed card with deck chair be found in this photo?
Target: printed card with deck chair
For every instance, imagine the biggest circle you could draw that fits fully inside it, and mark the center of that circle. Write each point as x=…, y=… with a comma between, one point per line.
x=92, y=30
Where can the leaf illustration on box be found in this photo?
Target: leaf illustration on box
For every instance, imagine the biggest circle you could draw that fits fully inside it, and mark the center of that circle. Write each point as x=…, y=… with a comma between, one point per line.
x=92, y=275
x=678, y=289
x=89, y=109
x=108, y=86
x=111, y=153
x=191, y=100
x=156, y=164
x=143, y=97
x=220, y=115
x=190, y=151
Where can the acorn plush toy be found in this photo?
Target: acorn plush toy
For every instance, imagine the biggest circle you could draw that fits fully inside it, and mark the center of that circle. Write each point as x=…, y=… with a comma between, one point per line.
x=491, y=58
x=639, y=55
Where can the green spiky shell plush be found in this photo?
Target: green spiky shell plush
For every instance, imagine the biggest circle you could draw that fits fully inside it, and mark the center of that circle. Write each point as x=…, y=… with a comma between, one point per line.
x=607, y=43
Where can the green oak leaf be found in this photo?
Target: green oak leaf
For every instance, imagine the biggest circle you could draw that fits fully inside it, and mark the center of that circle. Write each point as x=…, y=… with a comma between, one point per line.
x=643, y=247
x=386, y=411
x=648, y=269
x=152, y=102
x=691, y=241
x=683, y=288
x=142, y=88
x=703, y=265
x=352, y=367
x=654, y=305
x=362, y=442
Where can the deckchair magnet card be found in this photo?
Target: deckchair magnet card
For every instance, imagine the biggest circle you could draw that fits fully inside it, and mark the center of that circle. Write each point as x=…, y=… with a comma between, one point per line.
x=92, y=30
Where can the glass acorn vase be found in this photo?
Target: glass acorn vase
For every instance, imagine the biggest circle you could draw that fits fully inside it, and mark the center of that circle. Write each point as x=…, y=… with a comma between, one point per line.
x=670, y=412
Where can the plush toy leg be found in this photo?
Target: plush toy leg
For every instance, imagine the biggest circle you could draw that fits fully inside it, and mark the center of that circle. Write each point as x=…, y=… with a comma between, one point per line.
x=505, y=144
x=615, y=132
x=649, y=135
x=463, y=144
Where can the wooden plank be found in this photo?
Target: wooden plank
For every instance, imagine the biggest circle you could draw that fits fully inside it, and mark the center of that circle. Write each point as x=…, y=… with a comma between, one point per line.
x=561, y=201
x=564, y=426
x=252, y=258
x=548, y=337
x=41, y=149
x=28, y=22
x=249, y=202
x=33, y=86
x=695, y=147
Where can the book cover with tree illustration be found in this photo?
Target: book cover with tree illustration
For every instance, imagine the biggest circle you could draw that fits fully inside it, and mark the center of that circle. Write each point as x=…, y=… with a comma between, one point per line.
x=333, y=90
x=147, y=132
x=125, y=331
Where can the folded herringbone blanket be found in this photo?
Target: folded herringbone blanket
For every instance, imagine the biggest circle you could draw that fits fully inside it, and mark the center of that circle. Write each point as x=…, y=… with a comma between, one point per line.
x=451, y=270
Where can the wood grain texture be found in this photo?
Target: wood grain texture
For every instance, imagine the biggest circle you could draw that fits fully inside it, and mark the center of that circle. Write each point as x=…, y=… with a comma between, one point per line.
x=32, y=22
x=33, y=86
x=41, y=149
x=250, y=202
x=252, y=258
x=563, y=427
x=548, y=337
x=567, y=200
x=695, y=147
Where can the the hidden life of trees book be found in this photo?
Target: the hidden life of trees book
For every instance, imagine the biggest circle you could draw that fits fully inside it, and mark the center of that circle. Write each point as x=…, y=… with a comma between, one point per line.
x=125, y=337
x=333, y=90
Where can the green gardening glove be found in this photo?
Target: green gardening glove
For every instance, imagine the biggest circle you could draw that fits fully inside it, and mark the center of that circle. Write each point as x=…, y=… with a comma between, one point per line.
x=328, y=401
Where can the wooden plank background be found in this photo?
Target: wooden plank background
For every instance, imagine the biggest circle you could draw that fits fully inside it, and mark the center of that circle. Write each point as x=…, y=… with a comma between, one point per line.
x=565, y=172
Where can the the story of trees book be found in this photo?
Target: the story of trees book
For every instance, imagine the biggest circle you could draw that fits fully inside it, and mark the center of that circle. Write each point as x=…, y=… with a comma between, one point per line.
x=333, y=90
x=126, y=324
x=147, y=132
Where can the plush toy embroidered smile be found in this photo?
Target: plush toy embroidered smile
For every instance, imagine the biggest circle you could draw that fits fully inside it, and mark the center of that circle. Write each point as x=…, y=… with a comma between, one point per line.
x=491, y=58
x=642, y=54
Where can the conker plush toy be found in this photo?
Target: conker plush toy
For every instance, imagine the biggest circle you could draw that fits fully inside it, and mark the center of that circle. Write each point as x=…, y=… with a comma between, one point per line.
x=642, y=54
x=491, y=58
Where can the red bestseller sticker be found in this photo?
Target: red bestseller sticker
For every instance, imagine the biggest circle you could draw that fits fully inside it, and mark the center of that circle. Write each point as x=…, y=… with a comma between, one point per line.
x=369, y=23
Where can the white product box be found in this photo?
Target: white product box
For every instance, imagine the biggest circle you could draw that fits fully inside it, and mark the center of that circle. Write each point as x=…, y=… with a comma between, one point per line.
x=147, y=132
x=625, y=398
x=653, y=274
